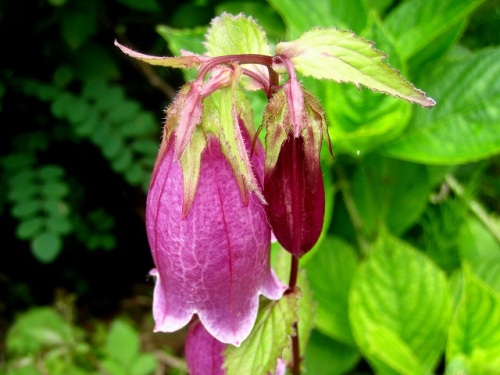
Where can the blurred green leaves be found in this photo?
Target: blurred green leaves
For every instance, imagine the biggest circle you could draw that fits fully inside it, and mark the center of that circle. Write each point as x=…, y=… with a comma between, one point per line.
x=43, y=340
x=38, y=202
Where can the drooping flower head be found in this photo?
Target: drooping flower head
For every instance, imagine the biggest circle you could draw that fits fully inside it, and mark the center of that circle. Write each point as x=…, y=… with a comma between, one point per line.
x=294, y=187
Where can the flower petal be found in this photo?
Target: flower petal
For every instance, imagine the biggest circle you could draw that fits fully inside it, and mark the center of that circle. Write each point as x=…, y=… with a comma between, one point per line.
x=203, y=353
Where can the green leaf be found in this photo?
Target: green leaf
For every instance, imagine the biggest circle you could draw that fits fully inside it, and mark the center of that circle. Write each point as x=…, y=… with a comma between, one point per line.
x=38, y=329
x=341, y=56
x=389, y=193
x=143, y=364
x=270, y=336
x=46, y=246
x=488, y=270
x=474, y=330
x=463, y=127
x=230, y=35
x=417, y=24
x=59, y=224
x=325, y=356
x=51, y=172
x=122, y=342
x=475, y=241
x=25, y=209
x=29, y=228
x=330, y=273
x=399, y=308
x=55, y=189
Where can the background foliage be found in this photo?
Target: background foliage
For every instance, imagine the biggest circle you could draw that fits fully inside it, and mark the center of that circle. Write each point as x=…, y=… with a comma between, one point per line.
x=406, y=278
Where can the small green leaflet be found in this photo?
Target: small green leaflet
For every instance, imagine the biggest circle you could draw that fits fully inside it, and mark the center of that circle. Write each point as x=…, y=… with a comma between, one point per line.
x=270, y=336
x=341, y=56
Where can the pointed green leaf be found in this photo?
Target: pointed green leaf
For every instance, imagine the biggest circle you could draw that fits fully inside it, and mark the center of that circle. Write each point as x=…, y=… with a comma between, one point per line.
x=399, y=297
x=464, y=126
x=330, y=272
x=270, y=336
x=474, y=330
x=417, y=24
x=341, y=56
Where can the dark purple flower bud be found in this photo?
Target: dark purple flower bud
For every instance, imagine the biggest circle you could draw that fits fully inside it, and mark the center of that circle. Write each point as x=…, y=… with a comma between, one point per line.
x=293, y=185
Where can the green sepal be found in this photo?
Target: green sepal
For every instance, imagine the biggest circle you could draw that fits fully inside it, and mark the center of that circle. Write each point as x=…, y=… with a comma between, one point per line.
x=187, y=61
x=191, y=165
x=220, y=117
x=278, y=127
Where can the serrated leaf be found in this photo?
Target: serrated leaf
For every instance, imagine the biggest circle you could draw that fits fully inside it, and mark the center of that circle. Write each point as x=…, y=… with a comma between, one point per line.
x=46, y=246
x=341, y=56
x=389, y=193
x=330, y=272
x=122, y=342
x=270, y=336
x=474, y=330
x=399, y=296
x=463, y=127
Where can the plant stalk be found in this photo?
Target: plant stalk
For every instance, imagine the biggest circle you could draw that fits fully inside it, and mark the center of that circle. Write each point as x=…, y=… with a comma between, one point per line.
x=294, y=271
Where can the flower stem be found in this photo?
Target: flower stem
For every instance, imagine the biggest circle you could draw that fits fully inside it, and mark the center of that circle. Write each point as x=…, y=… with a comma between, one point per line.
x=294, y=271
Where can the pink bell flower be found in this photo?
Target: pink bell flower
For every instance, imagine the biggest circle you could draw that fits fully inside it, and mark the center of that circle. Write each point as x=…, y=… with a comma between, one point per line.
x=214, y=261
